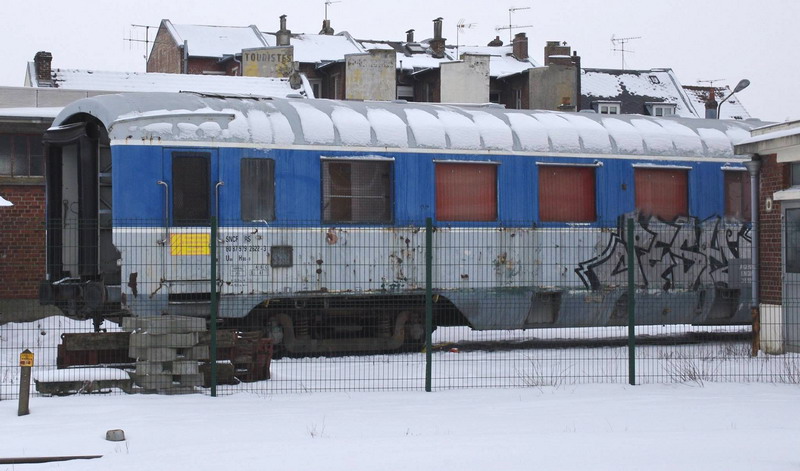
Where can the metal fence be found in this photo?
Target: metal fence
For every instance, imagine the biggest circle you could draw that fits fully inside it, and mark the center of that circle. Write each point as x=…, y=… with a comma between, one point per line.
x=299, y=307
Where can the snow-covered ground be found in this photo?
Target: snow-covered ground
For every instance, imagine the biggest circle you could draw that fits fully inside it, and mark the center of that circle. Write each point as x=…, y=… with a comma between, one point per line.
x=585, y=427
x=520, y=409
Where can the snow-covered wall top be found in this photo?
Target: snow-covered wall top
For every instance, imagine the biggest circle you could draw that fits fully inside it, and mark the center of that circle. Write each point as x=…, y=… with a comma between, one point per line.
x=187, y=118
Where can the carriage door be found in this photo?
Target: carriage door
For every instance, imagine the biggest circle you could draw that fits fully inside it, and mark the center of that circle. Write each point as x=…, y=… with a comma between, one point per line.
x=791, y=274
x=192, y=184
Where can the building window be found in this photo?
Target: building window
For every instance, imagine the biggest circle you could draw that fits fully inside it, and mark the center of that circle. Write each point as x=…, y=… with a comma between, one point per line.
x=792, y=240
x=737, y=195
x=316, y=87
x=608, y=107
x=466, y=191
x=653, y=79
x=794, y=174
x=517, y=98
x=663, y=193
x=661, y=109
x=21, y=155
x=257, y=192
x=567, y=194
x=356, y=191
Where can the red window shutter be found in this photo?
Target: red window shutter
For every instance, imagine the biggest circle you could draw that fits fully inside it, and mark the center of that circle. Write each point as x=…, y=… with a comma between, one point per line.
x=663, y=193
x=466, y=192
x=567, y=194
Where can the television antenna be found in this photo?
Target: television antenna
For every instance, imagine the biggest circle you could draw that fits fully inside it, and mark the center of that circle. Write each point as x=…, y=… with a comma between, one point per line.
x=328, y=2
x=618, y=44
x=511, y=26
x=459, y=26
x=711, y=90
x=146, y=39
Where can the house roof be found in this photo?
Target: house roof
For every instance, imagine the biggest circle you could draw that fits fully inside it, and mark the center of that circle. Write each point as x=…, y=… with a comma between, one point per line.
x=215, y=41
x=501, y=61
x=732, y=109
x=76, y=79
x=635, y=89
x=319, y=48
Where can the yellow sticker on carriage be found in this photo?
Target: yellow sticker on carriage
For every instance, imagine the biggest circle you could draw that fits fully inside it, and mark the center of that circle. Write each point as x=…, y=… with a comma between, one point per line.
x=190, y=244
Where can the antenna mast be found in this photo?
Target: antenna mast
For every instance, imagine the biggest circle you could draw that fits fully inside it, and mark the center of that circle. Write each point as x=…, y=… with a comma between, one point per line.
x=512, y=26
x=618, y=44
x=328, y=2
x=146, y=39
x=459, y=26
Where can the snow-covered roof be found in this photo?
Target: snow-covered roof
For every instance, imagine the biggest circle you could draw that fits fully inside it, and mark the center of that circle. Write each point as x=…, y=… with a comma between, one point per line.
x=76, y=79
x=29, y=112
x=215, y=41
x=731, y=109
x=317, y=48
x=501, y=62
x=635, y=89
x=358, y=125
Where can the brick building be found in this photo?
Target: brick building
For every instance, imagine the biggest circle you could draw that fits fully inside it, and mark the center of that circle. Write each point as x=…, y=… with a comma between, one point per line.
x=775, y=166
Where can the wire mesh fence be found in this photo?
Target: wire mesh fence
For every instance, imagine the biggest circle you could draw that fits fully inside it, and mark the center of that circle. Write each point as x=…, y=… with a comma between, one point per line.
x=264, y=308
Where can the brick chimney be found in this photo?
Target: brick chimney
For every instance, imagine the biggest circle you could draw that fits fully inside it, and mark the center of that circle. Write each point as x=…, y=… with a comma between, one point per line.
x=496, y=42
x=520, y=46
x=711, y=104
x=557, y=53
x=283, y=35
x=44, y=75
x=437, y=43
x=326, y=28
x=410, y=36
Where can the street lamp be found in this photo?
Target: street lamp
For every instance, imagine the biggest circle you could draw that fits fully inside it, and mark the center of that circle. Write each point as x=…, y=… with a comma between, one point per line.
x=744, y=83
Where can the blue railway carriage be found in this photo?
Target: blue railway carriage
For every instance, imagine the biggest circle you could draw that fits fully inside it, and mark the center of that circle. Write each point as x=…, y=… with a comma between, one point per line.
x=320, y=205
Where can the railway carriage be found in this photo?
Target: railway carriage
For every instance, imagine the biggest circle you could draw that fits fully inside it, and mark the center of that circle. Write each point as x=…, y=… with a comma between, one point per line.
x=321, y=207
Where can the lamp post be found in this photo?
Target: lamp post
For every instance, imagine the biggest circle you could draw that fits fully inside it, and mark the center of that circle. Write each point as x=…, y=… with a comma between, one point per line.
x=744, y=83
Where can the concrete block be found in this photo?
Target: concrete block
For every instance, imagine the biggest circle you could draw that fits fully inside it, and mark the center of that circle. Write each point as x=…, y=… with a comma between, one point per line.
x=184, y=367
x=199, y=352
x=155, y=381
x=174, y=325
x=190, y=380
x=153, y=354
x=164, y=340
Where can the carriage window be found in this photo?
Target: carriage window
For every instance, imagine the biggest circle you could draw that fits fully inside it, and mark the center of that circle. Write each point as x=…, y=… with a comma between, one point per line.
x=737, y=195
x=190, y=189
x=356, y=191
x=567, y=194
x=466, y=192
x=663, y=193
x=258, y=189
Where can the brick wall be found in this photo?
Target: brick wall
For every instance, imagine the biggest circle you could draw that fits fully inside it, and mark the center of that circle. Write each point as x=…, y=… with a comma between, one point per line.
x=774, y=177
x=22, y=241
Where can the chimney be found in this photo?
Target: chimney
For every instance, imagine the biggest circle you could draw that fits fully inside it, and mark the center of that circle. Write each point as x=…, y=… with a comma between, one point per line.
x=437, y=43
x=42, y=61
x=520, y=46
x=711, y=104
x=326, y=28
x=283, y=35
x=556, y=52
x=410, y=36
x=496, y=42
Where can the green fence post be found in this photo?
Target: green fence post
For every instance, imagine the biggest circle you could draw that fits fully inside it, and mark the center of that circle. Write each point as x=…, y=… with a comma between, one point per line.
x=631, y=305
x=214, y=307
x=428, y=302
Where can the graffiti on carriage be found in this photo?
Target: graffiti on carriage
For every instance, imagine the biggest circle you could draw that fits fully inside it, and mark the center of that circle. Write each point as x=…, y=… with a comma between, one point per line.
x=687, y=252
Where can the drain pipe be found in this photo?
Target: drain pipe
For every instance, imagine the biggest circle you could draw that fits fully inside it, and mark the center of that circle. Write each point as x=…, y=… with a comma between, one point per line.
x=753, y=166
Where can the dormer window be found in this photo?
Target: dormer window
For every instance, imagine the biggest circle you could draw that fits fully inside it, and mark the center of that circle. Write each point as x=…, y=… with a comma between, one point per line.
x=661, y=109
x=608, y=107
